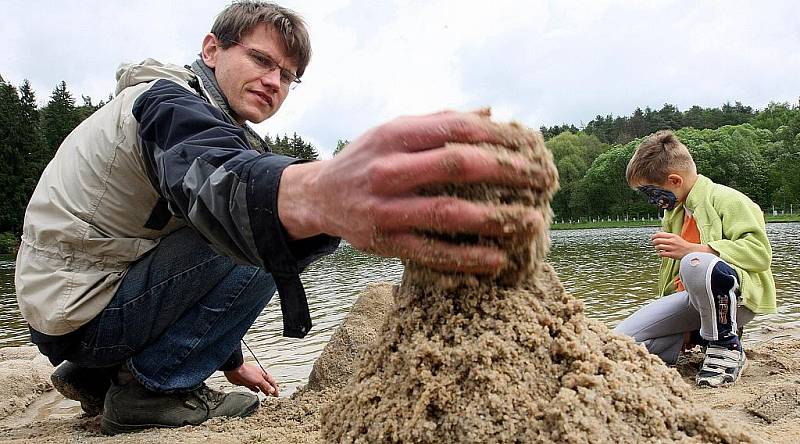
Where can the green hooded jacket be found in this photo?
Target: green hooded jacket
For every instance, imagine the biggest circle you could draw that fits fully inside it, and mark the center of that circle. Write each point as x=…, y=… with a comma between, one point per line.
x=733, y=225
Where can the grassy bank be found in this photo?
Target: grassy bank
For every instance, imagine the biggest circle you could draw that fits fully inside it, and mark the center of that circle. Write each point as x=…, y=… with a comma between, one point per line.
x=650, y=223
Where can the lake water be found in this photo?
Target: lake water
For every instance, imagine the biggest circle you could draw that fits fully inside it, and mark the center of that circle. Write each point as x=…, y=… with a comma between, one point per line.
x=612, y=270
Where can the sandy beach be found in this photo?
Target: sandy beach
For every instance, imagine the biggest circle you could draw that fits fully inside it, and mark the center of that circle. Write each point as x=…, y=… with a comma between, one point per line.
x=765, y=402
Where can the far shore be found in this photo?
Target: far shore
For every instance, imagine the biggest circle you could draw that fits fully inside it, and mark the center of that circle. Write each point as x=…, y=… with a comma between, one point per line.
x=589, y=223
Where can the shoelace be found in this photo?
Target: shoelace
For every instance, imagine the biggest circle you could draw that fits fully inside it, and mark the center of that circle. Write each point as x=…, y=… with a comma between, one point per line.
x=209, y=395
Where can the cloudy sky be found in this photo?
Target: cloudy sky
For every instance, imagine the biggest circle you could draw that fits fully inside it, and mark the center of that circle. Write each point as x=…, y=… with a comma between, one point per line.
x=538, y=62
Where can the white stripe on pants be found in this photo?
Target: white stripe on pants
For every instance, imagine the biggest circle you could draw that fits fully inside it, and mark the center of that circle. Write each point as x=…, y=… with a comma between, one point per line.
x=660, y=325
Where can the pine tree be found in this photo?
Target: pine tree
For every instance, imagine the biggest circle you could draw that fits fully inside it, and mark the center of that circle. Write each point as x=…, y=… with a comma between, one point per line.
x=35, y=152
x=59, y=117
x=340, y=145
x=12, y=196
x=281, y=146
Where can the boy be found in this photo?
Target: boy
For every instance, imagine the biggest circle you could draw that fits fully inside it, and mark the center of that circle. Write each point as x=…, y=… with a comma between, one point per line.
x=715, y=268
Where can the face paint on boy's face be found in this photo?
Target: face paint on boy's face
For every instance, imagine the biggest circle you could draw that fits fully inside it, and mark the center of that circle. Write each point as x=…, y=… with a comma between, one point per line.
x=659, y=197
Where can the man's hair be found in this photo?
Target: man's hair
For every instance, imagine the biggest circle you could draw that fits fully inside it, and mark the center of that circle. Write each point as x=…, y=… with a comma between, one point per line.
x=242, y=16
x=657, y=157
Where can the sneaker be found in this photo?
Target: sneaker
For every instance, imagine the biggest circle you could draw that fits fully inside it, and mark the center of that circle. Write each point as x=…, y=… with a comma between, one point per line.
x=129, y=406
x=85, y=385
x=721, y=366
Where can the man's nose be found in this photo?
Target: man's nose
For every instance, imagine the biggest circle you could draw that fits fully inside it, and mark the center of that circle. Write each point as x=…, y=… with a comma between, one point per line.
x=272, y=79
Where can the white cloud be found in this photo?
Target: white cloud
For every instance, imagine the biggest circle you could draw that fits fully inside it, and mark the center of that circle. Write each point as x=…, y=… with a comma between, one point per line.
x=540, y=62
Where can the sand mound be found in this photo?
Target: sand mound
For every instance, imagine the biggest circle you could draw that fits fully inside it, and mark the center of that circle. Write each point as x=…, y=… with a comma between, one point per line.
x=359, y=328
x=511, y=358
x=24, y=375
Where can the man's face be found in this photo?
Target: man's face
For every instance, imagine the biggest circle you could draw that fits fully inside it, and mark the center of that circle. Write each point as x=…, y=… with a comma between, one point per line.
x=254, y=94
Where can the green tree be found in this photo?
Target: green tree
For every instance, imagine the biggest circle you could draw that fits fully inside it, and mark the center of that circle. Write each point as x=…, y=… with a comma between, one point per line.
x=12, y=135
x=87, y=109
x=604, y=191
x=59, y=117
x=550, y=132
x=340, y=145
x=302, y=149
x=572, y=154
x=774, y=116
x=732, y=156
x=34, y=149
x=281, y=146
x=294, y=147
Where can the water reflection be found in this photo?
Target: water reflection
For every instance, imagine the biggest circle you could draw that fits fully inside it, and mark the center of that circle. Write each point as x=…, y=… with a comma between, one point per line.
x=614, y=271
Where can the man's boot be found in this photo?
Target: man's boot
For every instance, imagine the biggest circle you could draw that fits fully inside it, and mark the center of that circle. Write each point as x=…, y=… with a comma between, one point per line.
x=85, y=385
x=129, y=406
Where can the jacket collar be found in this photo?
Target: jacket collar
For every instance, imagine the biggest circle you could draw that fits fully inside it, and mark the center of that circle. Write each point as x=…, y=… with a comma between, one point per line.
x=695, y=196
x=209, y=85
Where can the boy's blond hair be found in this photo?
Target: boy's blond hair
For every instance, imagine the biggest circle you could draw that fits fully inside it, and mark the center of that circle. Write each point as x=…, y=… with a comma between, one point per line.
x=657, y=157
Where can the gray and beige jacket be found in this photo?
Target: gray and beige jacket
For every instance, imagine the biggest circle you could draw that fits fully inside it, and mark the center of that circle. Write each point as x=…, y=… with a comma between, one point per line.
x=163, y=154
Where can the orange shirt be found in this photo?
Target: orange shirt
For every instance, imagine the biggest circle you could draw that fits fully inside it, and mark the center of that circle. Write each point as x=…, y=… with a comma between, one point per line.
x=689, y=233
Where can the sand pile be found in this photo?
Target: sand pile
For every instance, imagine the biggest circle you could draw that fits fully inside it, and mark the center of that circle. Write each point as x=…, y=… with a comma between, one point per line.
x=335, y=366
x=511, y=358
x=25, y=374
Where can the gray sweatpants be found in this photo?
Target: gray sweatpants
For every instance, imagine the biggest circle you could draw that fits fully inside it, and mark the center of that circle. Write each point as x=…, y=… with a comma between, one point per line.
x=661, y=324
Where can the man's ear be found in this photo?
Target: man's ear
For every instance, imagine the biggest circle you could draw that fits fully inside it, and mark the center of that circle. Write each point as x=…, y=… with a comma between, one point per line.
x=210, y=50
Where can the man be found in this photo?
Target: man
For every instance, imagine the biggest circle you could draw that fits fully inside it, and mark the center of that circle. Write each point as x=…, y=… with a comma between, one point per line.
x=161, y=228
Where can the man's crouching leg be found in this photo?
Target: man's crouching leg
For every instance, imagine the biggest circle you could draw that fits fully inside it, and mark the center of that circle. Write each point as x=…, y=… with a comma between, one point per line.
x=163, y=384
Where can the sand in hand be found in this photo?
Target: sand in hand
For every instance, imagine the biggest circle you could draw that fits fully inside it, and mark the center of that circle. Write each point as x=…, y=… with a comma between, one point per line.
x=511, y=358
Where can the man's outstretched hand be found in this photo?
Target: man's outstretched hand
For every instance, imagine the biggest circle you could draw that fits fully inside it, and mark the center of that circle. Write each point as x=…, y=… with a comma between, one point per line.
x=368, y=196
x=252, y=377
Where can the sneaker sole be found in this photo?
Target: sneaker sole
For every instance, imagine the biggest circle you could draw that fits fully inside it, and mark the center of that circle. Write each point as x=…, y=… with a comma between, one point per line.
x=110, y=427
x=727, y=383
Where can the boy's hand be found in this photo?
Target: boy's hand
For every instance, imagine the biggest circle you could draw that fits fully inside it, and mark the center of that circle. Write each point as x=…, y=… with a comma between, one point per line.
x=675, y=247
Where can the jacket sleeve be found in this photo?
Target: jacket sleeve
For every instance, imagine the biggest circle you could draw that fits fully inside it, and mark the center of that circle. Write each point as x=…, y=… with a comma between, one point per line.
x=745, y=244
x=203, y=167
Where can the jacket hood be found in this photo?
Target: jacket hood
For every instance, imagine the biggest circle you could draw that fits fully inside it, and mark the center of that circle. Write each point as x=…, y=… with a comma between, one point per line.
x=129, y=74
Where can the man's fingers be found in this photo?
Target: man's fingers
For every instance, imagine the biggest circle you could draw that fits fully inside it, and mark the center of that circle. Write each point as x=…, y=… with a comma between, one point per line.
x=271, y=385
x=441, y=255
x=419, y=133
x=404, y=172
x=444, y=214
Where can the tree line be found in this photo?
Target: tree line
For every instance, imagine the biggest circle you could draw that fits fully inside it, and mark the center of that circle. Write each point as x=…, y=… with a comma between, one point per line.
x=757, y=152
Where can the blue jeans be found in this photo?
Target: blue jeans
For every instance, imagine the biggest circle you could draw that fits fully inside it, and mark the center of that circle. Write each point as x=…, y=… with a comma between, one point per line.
x=178, y=315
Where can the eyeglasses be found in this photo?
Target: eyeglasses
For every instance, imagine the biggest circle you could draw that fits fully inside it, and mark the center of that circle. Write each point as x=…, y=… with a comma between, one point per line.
x=268, y=64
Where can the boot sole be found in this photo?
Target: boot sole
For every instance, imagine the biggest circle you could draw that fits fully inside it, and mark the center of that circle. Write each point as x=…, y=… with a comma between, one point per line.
x=110, y=427
x=69, y=391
